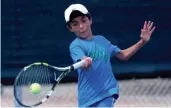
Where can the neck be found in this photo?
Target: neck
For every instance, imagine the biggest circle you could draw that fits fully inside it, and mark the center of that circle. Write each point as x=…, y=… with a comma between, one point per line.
x=90, y=36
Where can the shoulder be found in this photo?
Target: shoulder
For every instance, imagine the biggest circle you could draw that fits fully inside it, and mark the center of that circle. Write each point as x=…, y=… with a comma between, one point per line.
x=75, y=43
x=100, y=37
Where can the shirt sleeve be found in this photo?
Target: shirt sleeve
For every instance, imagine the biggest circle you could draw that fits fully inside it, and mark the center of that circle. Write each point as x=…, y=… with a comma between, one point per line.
x=76, y=53
x=113, y=49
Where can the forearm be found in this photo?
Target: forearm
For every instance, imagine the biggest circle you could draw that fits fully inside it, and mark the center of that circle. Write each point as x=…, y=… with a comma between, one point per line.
x=145, y=37
x=127, y=53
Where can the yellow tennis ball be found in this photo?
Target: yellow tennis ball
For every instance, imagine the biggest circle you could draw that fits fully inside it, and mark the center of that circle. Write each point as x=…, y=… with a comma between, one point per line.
x=35, y=88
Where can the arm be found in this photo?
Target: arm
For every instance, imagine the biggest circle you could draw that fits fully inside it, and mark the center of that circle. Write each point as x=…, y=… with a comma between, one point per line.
x=145, y=37
x=127, y=53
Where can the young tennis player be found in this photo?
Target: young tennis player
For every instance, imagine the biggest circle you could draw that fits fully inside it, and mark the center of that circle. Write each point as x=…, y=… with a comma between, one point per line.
x=97, y=86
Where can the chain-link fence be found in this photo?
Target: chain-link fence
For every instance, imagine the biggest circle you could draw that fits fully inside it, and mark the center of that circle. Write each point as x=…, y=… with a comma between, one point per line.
x=133, y=93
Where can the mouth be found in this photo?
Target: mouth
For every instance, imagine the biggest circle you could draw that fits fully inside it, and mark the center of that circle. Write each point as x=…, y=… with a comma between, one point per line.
x=82, y=33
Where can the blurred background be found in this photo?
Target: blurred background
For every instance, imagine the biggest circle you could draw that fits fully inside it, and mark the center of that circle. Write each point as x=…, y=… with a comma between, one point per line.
x=35, y=31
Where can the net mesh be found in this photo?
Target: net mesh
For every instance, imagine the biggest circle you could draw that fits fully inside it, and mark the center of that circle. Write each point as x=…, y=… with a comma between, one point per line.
x=27, y=84
x=133, y=93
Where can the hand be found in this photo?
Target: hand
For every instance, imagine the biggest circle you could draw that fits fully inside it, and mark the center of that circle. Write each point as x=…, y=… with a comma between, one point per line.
x=88, y=62
x=147, y=31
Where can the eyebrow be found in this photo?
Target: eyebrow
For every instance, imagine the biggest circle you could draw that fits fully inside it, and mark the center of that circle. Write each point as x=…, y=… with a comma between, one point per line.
x=83, y=17
x=73, y=21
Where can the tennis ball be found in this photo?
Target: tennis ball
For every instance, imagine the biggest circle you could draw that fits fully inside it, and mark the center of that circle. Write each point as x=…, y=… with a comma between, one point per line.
x=35, y=88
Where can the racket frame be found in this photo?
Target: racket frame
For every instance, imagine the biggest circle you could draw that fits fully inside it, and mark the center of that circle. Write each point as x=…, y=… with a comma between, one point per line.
x=64, y=72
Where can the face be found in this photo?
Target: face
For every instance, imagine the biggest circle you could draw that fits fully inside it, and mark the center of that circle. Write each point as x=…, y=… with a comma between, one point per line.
x=81, y=26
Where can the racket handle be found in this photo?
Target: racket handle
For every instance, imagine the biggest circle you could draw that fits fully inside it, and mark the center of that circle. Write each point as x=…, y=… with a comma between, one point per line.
x=79, y=64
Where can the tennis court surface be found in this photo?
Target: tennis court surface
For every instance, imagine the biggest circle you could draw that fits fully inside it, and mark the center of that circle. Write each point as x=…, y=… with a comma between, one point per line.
x=133, y=93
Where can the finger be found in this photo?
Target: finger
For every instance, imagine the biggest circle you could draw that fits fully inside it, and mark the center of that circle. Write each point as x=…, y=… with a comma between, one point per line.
x=153, y=29
x=86, y=65
x=150, y=26
x=88, y=62
x=142, y=30
x=145, y=25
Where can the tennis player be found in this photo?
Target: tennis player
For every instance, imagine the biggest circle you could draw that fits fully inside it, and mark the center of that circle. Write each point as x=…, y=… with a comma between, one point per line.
x=97, y=86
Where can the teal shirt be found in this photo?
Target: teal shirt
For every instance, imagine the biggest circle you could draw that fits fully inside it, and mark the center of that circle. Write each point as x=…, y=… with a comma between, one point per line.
x=98, y=81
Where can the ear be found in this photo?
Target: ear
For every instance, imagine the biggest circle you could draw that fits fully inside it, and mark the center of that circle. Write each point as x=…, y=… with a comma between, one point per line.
x=70, y=29
x=91, y=21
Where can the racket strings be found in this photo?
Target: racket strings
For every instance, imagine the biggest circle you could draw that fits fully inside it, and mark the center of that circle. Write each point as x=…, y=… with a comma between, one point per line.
x=40, y=74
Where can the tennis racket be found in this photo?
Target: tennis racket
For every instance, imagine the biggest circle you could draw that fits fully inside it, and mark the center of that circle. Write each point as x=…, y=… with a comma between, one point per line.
x=46, y=75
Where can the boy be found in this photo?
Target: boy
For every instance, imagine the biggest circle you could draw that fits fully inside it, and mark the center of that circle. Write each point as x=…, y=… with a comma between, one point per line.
x=97, y=86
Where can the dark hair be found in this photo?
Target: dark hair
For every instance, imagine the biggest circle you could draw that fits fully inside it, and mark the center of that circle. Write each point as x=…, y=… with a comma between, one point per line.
x=75, y=14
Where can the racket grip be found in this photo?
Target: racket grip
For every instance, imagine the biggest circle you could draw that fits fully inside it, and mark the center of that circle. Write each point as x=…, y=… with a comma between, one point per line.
x=79, y=64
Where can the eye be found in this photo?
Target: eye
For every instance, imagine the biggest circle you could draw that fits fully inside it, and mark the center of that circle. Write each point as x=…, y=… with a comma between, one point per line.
x=84, y=20
x=74, y=24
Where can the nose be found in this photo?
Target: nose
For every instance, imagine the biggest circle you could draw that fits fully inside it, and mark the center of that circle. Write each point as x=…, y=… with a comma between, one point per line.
x=81, y=26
